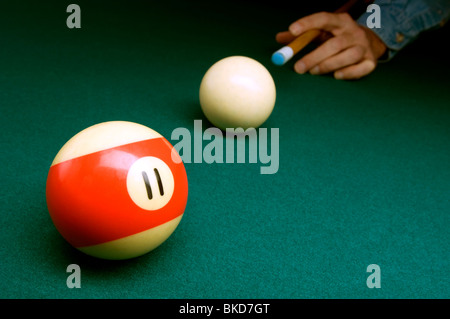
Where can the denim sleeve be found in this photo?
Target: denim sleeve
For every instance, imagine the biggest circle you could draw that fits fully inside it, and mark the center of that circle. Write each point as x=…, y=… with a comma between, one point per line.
x=403, y=20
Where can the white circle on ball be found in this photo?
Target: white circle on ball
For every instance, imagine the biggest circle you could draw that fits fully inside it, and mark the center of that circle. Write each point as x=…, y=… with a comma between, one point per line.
x=150, y=183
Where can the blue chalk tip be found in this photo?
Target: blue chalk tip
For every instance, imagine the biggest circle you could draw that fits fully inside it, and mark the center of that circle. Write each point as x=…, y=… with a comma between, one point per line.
x=278, y=58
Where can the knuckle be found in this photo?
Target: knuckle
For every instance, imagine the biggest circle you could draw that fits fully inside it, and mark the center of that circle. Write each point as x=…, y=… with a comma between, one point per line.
x=359, y=33
x=356, y=53
x=323, y=17
x=337, y=44
x=345, y=16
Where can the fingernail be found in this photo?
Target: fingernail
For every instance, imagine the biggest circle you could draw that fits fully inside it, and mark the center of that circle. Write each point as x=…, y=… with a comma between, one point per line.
x=338, y=75
x=295, y=29
x=315, y=70
x=300, y=67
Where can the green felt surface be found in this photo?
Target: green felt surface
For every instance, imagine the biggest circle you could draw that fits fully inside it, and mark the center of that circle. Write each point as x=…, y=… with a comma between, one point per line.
x=364, y=173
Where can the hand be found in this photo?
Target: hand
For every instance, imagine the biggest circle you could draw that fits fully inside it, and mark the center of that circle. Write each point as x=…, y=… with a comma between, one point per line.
x=350, y=50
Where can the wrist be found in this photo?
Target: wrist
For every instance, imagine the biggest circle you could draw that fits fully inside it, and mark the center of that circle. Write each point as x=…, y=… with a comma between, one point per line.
x=379, y=48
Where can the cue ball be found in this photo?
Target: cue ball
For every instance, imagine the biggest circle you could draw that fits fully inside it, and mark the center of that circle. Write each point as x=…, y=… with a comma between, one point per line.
x=237, y=91
x=116, y=190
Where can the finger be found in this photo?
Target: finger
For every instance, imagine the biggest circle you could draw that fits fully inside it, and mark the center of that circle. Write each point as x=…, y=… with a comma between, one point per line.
x=284, y=37
x=323, y=52
x=355, y=71
x=321, y=20
x=350, y=56
x=323, y=36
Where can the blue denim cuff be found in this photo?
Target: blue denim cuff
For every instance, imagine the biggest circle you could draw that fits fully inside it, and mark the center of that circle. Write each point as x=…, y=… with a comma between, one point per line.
x=403, y=21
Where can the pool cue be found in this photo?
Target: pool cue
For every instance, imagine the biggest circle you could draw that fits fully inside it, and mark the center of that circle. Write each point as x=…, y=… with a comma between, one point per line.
x=284, y=54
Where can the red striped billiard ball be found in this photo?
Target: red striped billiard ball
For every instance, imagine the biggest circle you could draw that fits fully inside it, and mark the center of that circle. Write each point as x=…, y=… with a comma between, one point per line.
x=117, y=190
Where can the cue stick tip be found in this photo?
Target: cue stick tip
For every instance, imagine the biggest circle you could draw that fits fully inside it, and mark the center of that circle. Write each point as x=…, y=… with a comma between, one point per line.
x=282, y=56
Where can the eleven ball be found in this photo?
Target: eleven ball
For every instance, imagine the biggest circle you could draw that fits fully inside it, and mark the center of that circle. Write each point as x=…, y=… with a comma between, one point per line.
x=116, y=190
